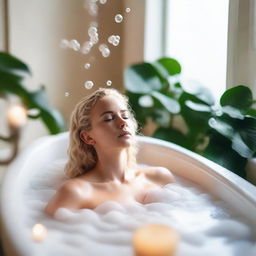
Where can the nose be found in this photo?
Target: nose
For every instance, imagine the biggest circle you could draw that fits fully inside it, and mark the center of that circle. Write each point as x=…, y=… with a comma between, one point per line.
x=121, y=122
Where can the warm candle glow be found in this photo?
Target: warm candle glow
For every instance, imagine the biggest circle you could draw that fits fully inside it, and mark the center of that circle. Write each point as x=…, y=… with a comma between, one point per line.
x=17, y=116
x=39, y=232
x=155, y=240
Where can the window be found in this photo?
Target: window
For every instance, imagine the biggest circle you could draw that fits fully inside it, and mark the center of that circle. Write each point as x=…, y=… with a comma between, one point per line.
x=196, y=33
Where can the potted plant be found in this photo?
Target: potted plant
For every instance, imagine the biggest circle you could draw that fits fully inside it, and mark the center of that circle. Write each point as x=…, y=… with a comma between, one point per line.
x=187, y=114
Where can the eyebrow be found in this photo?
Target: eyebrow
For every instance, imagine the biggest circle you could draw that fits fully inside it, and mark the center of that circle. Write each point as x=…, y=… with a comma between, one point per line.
x=111, y=112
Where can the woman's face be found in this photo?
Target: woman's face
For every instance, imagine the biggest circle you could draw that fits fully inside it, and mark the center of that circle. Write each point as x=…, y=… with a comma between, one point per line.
x=112, y=125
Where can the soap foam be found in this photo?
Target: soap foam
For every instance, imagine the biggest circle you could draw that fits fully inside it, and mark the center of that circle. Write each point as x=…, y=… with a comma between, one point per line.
x=206, y=226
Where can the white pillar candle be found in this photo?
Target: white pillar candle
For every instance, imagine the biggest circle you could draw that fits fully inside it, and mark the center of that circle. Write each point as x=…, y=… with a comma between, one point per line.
x=155, y=240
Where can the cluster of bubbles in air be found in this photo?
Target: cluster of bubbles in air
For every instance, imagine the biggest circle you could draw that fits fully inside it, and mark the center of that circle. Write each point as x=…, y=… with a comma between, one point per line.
x=92, y=7
x=94, y=38
x=72, y=44
x=114, y=40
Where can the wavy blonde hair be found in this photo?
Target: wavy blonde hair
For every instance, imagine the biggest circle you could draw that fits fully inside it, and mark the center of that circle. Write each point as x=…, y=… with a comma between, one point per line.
x=83, y=157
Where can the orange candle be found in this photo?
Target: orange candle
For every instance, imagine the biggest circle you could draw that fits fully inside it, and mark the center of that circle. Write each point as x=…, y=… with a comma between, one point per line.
x=155, y=240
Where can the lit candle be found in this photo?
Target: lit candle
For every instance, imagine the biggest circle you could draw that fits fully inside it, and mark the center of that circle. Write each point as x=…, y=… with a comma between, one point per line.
x=17, y=116
x=39, y=232
x=155, y=240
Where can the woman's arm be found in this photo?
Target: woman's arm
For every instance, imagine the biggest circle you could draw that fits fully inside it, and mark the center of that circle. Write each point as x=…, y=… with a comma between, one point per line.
x=70, y=195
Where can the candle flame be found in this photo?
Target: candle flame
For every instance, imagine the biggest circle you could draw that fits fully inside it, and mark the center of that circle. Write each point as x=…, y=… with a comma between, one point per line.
x=39, y=232
x=17, y=116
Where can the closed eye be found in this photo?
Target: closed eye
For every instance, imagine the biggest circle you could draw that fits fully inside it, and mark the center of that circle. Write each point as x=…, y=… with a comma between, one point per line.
x=108, y=119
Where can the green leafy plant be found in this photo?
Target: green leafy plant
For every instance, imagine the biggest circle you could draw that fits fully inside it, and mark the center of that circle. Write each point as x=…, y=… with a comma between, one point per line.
x=13, y=76
x=187, y=114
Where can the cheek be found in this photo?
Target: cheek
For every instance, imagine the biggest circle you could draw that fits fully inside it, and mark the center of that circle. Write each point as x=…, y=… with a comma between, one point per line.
x=132, y=125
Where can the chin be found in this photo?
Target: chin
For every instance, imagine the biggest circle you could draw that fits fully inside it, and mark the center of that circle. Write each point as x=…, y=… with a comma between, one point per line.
x=127, y=142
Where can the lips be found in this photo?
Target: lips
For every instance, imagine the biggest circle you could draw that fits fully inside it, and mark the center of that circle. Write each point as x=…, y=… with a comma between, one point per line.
x=124, y=133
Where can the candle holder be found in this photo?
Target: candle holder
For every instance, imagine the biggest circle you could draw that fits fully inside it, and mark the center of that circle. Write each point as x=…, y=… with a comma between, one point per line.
x=16, y=118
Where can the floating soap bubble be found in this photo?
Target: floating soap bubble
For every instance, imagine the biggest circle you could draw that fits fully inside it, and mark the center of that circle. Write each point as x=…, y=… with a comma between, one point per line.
x=92, y=7
x=88, y=84
x=116, y=43
x=118, y=18
x=93, y=34
x=87, y=65
x=103, y=1
x=66, y=94
x=87, y=47
x=128, y=9
x=114, y=40
x=92, y=31
x=75, y=45
x=109, y=83
x=64, y=44
x=111, y=39
x=102, y=47
x=94, y=39
x=146, y=101
x=105, y=53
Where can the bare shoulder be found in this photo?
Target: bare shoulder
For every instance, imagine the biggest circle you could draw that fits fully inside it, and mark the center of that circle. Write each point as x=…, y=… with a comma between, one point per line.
x=159, y=174
x=70, y=195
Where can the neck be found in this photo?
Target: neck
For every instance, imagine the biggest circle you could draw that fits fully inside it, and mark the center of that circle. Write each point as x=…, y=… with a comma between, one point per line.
x=112, y=165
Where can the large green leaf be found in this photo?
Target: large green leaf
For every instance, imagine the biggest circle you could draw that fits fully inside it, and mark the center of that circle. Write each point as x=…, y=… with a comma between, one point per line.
x=247, y=132
x=219, y=150
x=53, y=120
x=199, y=91
x=197, y=106
x=222, y=126
x=172, y=105
x=232, y=112
x=191, y=110
x=241, y=133
x=11, y=64
x=171, y=66
x=251, y=112
x=142, y=78
x=11, y=83
x=172, y=135
x=239, y=97
x=141, y=113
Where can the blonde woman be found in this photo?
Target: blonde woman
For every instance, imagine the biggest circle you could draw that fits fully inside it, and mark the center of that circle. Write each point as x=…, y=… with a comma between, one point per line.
x=102, y=156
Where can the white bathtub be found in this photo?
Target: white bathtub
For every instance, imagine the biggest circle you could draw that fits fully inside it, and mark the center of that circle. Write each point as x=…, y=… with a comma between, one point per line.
x=216, y=180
